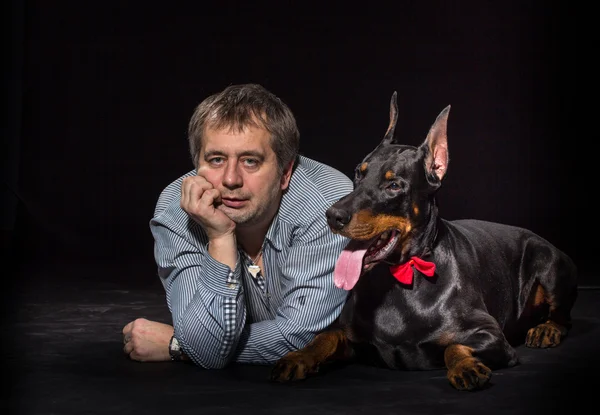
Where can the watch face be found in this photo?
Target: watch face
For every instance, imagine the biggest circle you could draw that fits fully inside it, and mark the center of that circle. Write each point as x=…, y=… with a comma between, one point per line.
x=175, y=349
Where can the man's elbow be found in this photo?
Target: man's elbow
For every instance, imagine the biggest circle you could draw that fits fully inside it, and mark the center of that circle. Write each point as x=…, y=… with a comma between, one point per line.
x=207, y=355
x=204, y=348
x=209, y=361
x=216, y=364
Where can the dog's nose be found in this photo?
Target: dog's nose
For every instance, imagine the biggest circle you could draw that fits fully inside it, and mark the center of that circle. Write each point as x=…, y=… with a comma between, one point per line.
x=337, y=218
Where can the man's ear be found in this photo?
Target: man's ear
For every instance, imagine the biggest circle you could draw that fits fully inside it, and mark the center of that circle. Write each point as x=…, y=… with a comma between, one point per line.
x=287, y=175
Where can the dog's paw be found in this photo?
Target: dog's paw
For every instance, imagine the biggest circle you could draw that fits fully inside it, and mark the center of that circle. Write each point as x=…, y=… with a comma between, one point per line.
x=469, y=374
x=548, y=334
x=294, y=366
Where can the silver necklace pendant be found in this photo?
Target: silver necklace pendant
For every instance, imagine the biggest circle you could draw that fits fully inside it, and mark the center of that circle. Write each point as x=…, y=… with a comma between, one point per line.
x=253, y=270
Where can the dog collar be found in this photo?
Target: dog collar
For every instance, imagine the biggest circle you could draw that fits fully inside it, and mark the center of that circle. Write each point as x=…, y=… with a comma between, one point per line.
x=404, y=272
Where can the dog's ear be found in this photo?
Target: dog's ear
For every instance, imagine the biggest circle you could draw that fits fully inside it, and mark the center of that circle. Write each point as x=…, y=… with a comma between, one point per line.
x=436, y=161
x=389, y=134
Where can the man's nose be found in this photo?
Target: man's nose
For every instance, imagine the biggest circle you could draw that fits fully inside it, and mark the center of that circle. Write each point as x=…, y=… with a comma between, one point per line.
x=232, y=178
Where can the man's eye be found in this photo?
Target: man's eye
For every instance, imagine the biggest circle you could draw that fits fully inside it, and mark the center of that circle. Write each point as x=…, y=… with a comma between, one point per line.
x=216, y=160
x=250, y=162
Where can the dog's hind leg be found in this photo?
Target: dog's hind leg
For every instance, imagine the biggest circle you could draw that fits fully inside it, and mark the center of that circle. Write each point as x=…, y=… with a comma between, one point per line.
x=553, y=330
x=556, y=288
x=326, y=347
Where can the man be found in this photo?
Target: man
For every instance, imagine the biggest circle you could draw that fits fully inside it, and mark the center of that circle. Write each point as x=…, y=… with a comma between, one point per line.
x=241, y=242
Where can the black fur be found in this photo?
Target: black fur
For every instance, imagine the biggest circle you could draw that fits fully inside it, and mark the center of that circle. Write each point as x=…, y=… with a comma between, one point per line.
x=495, y=286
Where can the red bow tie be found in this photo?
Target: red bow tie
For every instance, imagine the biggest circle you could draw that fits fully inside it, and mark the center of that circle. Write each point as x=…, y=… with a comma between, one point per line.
x=404, y=272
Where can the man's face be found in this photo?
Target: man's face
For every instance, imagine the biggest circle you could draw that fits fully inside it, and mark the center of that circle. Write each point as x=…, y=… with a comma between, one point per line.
x=243, y=167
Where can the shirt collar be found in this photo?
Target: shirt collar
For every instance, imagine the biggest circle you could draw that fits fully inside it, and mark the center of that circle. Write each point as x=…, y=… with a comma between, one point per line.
x=273, y=235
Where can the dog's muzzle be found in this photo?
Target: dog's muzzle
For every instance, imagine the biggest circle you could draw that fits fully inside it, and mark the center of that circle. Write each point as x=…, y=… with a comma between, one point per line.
x=337, y=218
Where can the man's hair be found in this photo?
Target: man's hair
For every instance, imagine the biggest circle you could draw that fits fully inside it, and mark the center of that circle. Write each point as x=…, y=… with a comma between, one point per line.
x=240, y=106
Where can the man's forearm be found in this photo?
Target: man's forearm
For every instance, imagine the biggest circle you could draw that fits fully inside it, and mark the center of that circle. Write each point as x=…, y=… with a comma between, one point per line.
x=209, y=329
x=224, y=250
x=208, y=309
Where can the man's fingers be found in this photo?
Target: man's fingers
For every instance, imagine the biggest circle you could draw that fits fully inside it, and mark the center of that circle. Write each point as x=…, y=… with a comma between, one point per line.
x=192, y=189
x=194, y=186
x=127, y=328
x=186, y=186
x=209, y=198
x=128, y=348
x=148, y=341
x=202, y=205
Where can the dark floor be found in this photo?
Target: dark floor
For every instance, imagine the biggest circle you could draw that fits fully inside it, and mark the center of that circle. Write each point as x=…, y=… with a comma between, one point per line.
x=64, y=357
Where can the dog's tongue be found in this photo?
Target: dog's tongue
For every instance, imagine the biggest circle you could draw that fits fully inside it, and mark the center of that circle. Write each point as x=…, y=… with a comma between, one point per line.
x=349, y=265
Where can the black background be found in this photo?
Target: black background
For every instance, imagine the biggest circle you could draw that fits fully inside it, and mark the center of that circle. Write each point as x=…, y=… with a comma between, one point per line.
x=101, y=93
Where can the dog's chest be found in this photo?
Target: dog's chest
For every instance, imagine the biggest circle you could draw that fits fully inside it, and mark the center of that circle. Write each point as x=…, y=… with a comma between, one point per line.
x=381, y=309
x=401, y=325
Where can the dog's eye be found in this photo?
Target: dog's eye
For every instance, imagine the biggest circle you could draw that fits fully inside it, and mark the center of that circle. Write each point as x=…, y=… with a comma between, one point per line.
x=394, y=186
x=357, y=175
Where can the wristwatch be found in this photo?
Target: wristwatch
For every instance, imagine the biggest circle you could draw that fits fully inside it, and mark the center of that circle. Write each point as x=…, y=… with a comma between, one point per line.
x=175, y=350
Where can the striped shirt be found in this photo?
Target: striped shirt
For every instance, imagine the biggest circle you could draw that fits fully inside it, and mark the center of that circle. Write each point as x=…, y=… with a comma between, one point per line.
x=221, y=315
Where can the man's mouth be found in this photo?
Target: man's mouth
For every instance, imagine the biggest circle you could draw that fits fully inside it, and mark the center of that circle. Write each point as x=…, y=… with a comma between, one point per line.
x=234, y=203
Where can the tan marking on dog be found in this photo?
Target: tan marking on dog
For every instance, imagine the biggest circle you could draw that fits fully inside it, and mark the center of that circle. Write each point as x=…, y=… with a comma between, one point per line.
x=560, y=327
x=415, y=209
x=455, y=353
x=329, y=344
x=539, y=297
x=389, y=175
x=363, y=167
x=547, y=334
x=326, y=346
x=364, y=225
x=465, y=371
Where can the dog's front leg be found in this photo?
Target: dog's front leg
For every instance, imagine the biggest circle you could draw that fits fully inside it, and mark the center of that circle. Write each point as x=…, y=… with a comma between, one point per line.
x=327, y=346
x=469, y=360
x=465, y=371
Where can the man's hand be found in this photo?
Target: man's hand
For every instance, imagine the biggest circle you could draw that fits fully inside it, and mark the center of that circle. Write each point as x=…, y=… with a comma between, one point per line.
x=200, y=199
x=147, y=341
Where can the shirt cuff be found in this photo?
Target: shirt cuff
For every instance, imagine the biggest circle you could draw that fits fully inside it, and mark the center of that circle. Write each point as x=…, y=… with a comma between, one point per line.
x=221, y=279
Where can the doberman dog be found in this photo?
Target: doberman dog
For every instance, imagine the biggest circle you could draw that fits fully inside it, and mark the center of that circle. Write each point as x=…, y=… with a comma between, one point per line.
x=429, y=293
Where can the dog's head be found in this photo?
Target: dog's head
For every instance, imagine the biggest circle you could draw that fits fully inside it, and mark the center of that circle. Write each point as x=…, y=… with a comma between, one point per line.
x=392, y=201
